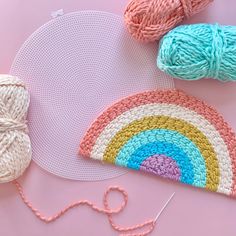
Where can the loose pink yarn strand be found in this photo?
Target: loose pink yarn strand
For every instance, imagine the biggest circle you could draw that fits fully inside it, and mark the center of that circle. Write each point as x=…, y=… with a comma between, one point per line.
x=126, y=231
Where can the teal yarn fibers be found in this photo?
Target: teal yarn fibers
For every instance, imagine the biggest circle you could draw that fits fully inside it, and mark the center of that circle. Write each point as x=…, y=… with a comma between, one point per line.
x=192, y=52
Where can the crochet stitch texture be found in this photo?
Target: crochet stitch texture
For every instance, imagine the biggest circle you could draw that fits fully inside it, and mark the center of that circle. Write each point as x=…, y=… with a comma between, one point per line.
x=170, y=134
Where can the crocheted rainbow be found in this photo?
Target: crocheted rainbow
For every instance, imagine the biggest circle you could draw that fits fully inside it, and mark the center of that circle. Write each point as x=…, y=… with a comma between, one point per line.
x=167, y=133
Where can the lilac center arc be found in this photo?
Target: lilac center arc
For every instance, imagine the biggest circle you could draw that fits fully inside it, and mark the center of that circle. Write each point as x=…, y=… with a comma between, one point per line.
x=161, y=165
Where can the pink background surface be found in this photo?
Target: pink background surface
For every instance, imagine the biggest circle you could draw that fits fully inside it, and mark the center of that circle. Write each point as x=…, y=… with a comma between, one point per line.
x=192, y=212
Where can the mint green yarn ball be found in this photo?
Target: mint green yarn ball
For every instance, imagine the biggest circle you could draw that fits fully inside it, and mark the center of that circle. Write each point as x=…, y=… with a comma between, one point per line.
x=193, y=52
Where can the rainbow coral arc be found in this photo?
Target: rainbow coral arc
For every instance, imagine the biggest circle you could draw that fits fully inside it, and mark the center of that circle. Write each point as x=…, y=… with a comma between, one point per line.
x=167, y=133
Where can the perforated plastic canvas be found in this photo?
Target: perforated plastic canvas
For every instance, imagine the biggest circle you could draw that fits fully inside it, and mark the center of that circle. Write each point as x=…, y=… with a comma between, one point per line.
x=75, y=66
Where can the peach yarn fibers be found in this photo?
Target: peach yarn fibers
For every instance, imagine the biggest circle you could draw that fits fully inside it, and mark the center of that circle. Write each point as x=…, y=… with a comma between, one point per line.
x=149, y=20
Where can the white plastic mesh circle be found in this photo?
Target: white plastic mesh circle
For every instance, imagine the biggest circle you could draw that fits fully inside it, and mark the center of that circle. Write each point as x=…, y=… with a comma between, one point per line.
x=75, y=66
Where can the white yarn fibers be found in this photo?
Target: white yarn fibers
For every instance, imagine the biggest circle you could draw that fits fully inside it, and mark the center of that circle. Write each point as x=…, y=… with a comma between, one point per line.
x=15, y=145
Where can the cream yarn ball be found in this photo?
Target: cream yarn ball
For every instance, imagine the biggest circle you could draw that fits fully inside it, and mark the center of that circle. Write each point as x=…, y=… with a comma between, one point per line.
x=15, y=145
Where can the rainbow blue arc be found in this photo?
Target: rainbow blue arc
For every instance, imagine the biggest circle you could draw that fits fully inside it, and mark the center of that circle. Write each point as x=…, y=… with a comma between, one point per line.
x=171, y=144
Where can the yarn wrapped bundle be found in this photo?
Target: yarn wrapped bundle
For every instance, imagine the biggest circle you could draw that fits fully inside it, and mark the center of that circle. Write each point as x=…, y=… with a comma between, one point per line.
x=199, y=51
x=149, y=20
x=15, y=145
